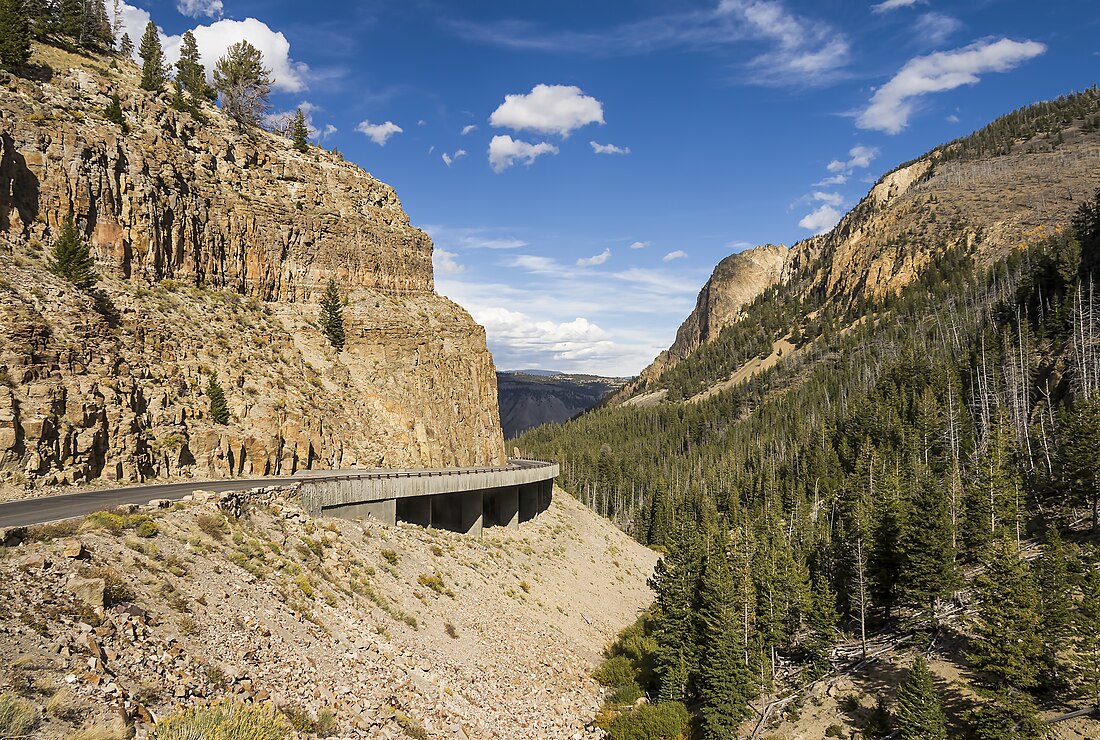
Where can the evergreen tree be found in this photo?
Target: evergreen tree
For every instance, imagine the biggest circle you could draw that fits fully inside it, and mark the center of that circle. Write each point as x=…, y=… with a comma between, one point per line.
x=1055, y=602
x=243, y=83
x=919, y=714
x=1085, y=660
x=726, y=682
x=1078, y=455
x=299, y=132
x=928, y=559
x=71, y=258
x=126, y=46
x=821, y=619
x=190, y=73
x=15, y=35
x=153, y=73
x=70, y=18
x=991, y=503
x=219, y=409
x=675, y=582
x=113, y=113
x=332, y=316
x=1006, y=647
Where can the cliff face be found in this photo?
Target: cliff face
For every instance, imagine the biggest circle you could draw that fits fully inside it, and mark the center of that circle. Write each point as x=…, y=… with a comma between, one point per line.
x=213, y=249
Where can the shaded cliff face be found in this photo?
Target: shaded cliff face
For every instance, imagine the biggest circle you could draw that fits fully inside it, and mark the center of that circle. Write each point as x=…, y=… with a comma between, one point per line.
x=213, y=249
x=991, y=205
x=529, y=401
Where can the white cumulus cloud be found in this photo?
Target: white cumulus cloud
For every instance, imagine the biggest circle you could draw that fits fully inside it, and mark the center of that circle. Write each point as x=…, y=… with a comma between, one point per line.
x=548, y=109
x=504, y=151
x=569, y=340
x=598, y=259
x=215, y=39
x=379, y=133
x=676, y=255
x=821, y=220
x=609, y=148
x=446, y=262
x=197, y=8
x=892, y=104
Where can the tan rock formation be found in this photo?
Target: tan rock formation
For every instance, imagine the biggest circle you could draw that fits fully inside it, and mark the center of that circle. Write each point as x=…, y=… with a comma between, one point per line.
x=213, y=248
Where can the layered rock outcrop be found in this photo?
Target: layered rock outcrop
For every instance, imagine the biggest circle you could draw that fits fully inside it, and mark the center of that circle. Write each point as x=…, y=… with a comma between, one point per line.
x=213, y=248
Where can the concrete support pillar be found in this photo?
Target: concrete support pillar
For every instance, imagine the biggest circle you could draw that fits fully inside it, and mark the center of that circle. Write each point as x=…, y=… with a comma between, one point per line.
x=504, y=504
x=383, y=511
x=528, y=502
x=473, y=512
x=415, y=510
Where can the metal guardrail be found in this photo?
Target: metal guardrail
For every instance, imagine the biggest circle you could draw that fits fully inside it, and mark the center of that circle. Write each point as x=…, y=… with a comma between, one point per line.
x=384, y=473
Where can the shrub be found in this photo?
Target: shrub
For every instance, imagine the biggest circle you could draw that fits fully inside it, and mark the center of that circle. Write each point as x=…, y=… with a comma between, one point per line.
x=211, y=524
x=104, y=520
x=435, y=583
x=229, y=719
x=116, y=588
x=651, y=722
x=615, y=672
x=390, y=556
x=452, y=632
x=17, y=717
x=834, y=730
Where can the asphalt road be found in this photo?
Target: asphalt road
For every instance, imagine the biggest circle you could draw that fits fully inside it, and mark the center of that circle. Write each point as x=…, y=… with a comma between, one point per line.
x=67, y=505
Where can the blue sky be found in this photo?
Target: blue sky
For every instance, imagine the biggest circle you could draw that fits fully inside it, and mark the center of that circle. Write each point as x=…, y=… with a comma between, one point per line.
x=582, y=166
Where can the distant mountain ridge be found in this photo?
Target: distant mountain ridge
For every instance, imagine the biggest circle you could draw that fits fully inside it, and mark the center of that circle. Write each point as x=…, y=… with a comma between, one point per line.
x=1017, y=179
x=529, y=399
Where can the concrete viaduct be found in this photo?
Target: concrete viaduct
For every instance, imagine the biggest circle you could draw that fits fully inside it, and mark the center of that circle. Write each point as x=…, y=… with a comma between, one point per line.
x=458, y=499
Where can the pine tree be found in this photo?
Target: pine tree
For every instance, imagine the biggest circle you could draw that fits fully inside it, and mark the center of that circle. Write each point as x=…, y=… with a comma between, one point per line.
x=15, y=35
x=675, y=582
x=71, y=257
x=1078, y=453
x=1006, y=647
x=1055, y=602
x=1085, y=660
x=189, y=70
x=919, y=713
x=299, y=132
x=991, y=503
x=726, y=681
x=219, y=409
x=243, y=83
x=70, y=17
x=113, y=113
x=126, y=46
x=928, y=559
x=332, y=316
x=153, y=74
x=821, y=619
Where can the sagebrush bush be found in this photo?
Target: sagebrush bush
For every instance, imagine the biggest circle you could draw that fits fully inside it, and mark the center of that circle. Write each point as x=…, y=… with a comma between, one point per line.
x=615, y=672
x=226, y=719
x=17, y=717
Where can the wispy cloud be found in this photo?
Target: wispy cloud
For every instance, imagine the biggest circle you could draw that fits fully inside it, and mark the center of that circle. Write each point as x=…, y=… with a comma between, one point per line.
x=598, y=259
x=472, y=238
x=676, y=255
x=892, y=104
x=790, y=47
x=468, y=129
x=859, y=157
x=833, y=199
x=449, y=159
x=609, y=148
x=935, y=28
x=199, y=8
x=639, y=245
x=889, y=5
x=446, y=262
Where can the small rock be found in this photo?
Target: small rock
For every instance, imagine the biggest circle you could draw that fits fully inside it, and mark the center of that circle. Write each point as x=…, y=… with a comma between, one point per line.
x=35, y=561
x=88, y=590
x=73, y=548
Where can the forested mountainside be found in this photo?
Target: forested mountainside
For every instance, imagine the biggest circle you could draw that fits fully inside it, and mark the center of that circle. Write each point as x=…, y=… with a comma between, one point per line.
x=919, y=463
x=213, y=248
x=527, y=401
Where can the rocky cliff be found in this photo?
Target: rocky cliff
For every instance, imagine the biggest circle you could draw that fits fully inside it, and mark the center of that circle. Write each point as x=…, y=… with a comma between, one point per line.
x=1016, y=181
x=213, y=248
x=528, y=401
